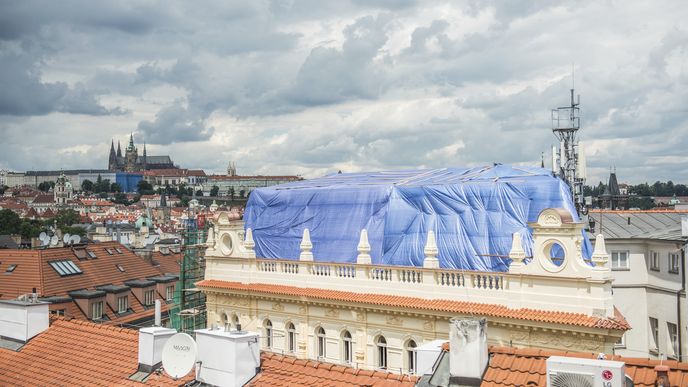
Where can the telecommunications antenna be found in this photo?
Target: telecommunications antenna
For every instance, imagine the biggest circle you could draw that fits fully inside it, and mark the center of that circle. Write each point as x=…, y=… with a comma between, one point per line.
x=179, y=355
x=65, y=238
x=74, y=239
x=54, y=240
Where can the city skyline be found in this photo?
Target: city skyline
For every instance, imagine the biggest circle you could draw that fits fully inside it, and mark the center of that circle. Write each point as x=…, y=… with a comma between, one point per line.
x=309, y=89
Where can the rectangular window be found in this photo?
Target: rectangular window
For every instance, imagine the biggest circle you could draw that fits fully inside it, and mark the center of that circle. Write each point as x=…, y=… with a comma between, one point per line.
x=620, y=260
x=654, y=334
x=674, y=261
x=58, y=312
x=148, y=297
x=169, y=294
x=118, y=250
x=654, y=260
x=122, y=304
x=65, y=267
x=621, y=343
x=109, y=251
x=91, y=254
x=673, y=338
x=97, y=310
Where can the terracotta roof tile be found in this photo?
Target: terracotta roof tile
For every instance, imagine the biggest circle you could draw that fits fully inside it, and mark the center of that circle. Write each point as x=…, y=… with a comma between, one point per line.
x=527, y=367
x=77, y=353
x=278, y=370
x=490, y=310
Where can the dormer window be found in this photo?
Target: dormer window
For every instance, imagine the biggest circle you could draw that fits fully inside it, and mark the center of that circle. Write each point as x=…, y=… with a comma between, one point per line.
x=97, y=310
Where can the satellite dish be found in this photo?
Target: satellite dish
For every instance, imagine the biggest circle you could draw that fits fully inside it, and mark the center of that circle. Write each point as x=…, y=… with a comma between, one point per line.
x=65, y=238
x=42, y=236
x=74, y=239
x=54, y=240
x=179, y=355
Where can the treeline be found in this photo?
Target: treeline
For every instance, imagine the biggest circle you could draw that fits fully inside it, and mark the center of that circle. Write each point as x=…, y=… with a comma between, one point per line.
x=11, y=223
x=644, y=189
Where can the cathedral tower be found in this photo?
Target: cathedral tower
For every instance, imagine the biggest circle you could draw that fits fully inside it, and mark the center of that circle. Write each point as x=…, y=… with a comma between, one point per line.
x=112, y=159
x=131, y=156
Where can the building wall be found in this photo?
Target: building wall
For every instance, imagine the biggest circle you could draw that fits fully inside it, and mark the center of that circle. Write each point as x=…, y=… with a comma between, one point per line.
x=366, y=325
x=246, y=184
x=641, y=292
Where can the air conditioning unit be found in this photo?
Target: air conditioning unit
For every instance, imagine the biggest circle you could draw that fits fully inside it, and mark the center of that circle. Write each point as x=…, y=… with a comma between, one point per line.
x=570, y=371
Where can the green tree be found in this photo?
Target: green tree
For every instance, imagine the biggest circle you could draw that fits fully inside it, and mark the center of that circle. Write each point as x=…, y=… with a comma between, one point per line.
x=46, y=186
x=199, y=193
x=115, y=187
x=87, y=186
x=30, y=229
x=241, y=193
x=231, y=193
x=642, y=202
x=184, y=202
x=67, y=217
x=80, y=231
x=214, y=191
x=9, y=222
x=144, y=188
x=3, y=188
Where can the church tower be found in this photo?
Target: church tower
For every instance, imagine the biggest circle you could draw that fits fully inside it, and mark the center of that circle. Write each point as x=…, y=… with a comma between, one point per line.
x=119, y=149
x=131, y=155
x=144, y=162
x=112, y=159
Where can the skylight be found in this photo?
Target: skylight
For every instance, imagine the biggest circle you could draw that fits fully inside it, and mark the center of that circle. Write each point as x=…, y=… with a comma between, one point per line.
x=10, y=268
x=65, y=267
x=109, y=251
x=120, y=267
x=91, y=254
x=118, y=250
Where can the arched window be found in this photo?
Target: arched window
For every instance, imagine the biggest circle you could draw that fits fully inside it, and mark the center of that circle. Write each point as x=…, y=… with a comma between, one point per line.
x=381, y=345
x=320, y=337
x=235, y=321
x=268, y=333
x=291, y=338
x=411, y=356
x=225, y=321
x=347, y=347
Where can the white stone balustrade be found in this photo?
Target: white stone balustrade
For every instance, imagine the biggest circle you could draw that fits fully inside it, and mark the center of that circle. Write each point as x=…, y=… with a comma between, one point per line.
x=573, y=286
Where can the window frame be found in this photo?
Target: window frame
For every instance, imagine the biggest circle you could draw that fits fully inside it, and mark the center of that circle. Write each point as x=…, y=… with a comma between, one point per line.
x=267, y=325
x=674, y=345
x=291, y=337
x=411, y=356
x=347, y=347
x=655, y=263
x=654, y=334
x=674, y=258
x=618, y=260
x=149, y=296
x=122, y=301
x=97, y=306
x=321, y=343
x=169, y=293
x=622, y=342
x=381, y=349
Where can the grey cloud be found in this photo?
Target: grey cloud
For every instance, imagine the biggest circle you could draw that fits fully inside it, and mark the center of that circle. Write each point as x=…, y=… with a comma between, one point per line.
x=175, y=123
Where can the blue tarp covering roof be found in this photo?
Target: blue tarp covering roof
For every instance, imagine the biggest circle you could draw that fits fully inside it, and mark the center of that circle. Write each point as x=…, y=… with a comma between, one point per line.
x=473, y=212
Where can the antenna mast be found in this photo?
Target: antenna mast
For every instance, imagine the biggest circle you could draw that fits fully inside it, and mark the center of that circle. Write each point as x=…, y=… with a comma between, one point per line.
x=565, y=126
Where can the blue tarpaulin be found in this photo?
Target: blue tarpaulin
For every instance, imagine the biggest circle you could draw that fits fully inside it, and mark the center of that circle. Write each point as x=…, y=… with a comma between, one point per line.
x=473, y=212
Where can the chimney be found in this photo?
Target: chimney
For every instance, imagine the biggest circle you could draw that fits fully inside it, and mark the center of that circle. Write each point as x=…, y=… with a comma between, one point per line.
x=151, y=342
x=468, y=355
x=227, y=358
x=20, y=320
x=662, y=376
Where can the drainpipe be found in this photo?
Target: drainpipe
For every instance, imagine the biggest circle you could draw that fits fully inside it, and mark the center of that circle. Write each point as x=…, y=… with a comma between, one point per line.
x=678, y=300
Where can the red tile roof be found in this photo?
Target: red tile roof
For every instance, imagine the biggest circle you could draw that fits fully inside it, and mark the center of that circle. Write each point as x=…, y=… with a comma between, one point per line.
x=77, y=353
x=43, y=199
x=526, y=367
x=34, y=271
x=279, y=370
x=462, y=307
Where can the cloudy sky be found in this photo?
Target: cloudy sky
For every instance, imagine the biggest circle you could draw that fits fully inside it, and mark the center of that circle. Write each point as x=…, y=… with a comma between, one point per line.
x=312, y=87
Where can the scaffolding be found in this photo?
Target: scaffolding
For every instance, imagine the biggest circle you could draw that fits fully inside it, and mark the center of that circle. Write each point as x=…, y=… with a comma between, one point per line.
x=188, y=312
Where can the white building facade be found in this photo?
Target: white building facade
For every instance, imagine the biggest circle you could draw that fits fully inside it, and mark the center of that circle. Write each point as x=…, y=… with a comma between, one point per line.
x=374, y=316
x=647, y=251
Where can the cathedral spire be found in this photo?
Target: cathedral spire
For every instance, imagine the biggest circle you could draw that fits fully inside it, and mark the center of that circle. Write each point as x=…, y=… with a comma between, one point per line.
x=144, y=161
x=119, y=149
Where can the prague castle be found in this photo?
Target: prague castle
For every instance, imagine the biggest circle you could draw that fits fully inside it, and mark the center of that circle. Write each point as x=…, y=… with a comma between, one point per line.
x=132, y=162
